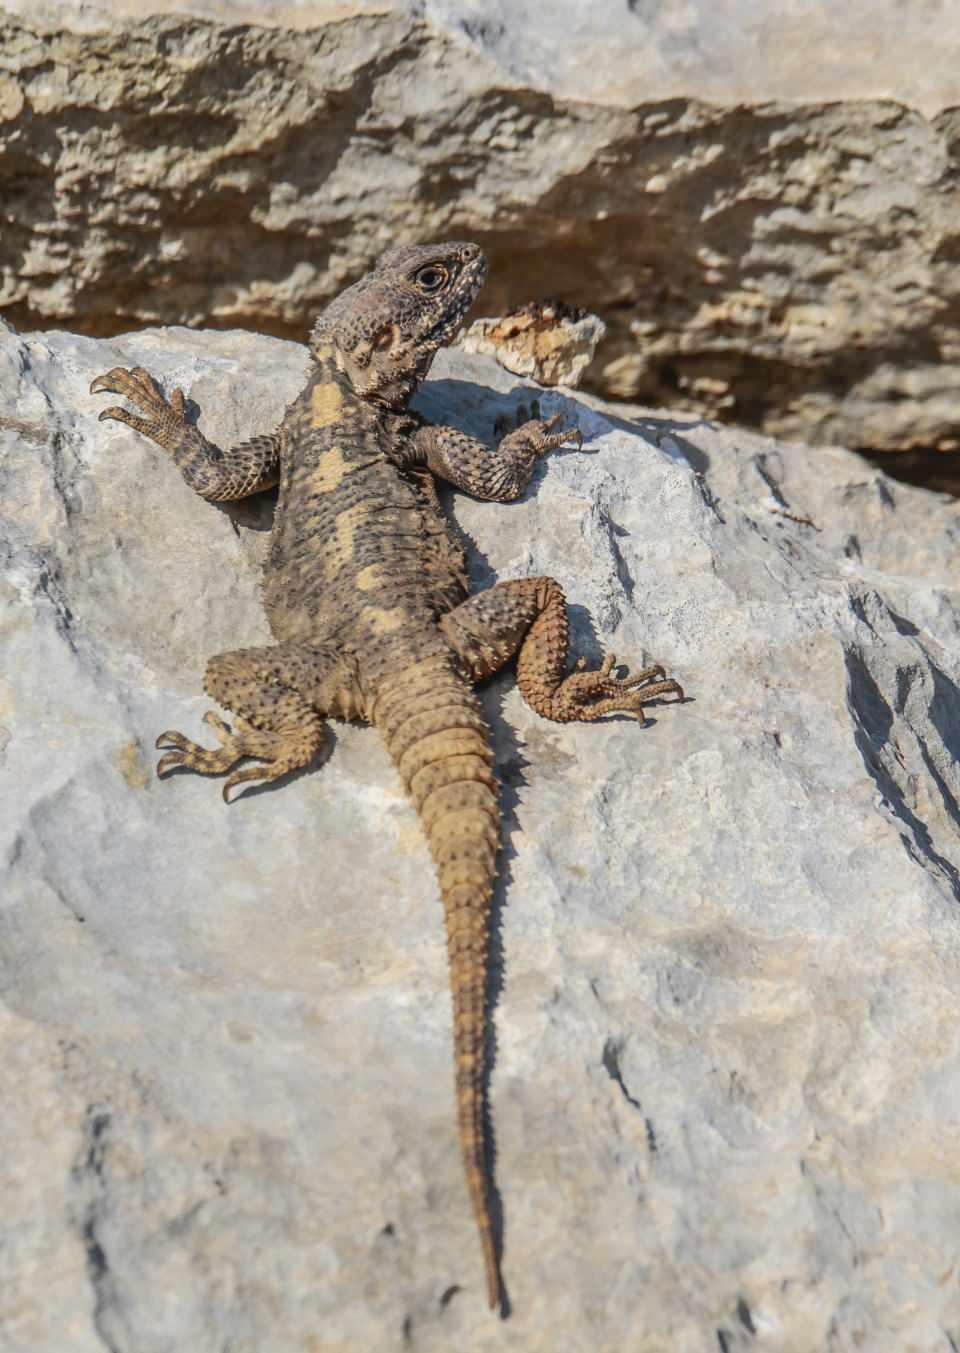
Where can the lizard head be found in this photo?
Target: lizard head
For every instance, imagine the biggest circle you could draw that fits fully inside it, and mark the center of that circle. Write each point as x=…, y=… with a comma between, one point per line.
x=384, y=331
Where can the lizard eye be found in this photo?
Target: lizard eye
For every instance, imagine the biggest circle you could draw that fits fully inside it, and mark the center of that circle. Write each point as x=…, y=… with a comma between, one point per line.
x=432, y=277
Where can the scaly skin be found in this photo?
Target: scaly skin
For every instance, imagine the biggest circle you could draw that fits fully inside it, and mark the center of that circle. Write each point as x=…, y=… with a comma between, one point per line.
x=365, y=591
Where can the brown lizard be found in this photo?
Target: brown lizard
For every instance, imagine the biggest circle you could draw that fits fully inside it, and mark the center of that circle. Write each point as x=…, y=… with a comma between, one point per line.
x=366, y=594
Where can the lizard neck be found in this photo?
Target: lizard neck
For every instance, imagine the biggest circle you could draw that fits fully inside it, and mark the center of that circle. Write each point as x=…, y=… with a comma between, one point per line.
x=329, y=368
x=334, y=409
x=362, y=376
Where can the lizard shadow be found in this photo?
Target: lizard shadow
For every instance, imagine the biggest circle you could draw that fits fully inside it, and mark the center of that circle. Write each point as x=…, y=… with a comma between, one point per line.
x=475, y=409
x=255, y=513
x=472, y=407
x=654, y=429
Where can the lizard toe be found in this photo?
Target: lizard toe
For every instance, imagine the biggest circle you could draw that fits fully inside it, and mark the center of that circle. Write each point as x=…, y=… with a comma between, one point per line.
x=239, y=777
x=201, y=759
x=117, y=415
x=168, y=761
x=223, y=730
x=139, y=387
x=588, y=695
x=550, y=440
x=173, y=739
x=111, y=381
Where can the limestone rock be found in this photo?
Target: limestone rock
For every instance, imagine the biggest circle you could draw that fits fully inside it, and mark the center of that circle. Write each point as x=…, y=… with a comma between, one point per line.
x=768, y=234
x=728, y=1011
x=550, y=342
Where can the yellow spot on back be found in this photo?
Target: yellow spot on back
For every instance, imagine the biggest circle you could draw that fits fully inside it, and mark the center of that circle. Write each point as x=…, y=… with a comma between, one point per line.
x=383, y=621
x=347, y=523
x=327, y=404
x=370, y=578
x=331, y=470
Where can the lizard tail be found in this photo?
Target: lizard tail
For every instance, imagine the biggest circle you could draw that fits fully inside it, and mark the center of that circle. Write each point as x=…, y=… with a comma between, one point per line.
x=435, y=732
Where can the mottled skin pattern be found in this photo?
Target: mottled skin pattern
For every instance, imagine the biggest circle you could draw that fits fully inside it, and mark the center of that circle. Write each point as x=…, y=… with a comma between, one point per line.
x=366, y=594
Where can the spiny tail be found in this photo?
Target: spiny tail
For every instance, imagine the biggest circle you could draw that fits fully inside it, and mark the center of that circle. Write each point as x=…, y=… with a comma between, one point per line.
x=436, y=735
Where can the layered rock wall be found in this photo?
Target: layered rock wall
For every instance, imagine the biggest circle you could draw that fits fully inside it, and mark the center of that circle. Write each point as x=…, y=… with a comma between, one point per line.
x=762, y=209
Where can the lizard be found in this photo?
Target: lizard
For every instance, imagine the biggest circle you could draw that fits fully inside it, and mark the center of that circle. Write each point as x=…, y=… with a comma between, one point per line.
x=366, y=594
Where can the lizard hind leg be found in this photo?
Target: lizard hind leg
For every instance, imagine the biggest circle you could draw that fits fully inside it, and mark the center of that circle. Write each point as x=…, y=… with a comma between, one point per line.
x=528, y=617
x=279, y=696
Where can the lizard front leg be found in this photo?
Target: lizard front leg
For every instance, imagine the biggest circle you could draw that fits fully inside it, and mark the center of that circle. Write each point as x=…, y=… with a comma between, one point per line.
x=219, y=476
x=496, y=475
x=280, y=695
x=528, y=616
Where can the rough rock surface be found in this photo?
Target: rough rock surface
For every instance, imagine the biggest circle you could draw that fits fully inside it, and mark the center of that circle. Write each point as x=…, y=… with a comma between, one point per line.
x=551, y=343
x=727, y=1075
x=760, y=201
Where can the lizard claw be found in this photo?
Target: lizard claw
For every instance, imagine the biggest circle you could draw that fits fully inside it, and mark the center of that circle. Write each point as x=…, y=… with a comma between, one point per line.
x=587, y=695
x=536, y=436
x=188, y=753
x=163, y=419
x=240, y=777
x=104, y=382
x=168, y=762
x=281, y=751
x=119, y=381
x=180, y=756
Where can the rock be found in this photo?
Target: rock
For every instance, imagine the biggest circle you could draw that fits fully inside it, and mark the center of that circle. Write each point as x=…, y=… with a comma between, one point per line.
x=550, y=342
x=769, y=239
x=728, y=1009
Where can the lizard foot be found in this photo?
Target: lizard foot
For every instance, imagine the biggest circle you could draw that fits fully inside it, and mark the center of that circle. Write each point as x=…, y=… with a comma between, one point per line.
x=283, y=752
x=164, y=418
x=533, y=434
x=585, y=696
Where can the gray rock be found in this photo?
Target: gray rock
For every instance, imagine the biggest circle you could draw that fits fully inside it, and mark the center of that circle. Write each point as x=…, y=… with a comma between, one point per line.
x=759, y=201
x=728, y=1023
